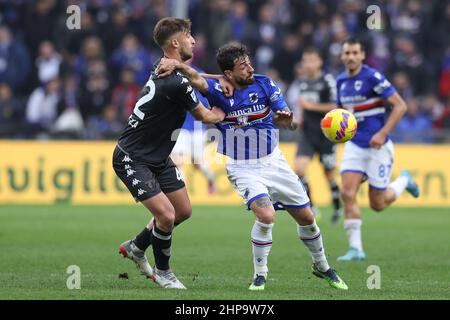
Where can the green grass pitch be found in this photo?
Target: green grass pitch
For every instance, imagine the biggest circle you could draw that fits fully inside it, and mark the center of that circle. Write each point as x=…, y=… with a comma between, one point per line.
x=212, y=255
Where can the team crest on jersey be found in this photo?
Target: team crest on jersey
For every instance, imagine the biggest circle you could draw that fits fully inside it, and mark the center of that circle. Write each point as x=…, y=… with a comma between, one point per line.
x=231, y=102
x=358, y=85
x=253, y=97
x=342, y=86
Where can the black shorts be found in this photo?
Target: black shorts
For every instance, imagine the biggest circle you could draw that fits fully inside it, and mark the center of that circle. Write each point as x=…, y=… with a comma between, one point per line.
x=310, y=144
x=145, y=180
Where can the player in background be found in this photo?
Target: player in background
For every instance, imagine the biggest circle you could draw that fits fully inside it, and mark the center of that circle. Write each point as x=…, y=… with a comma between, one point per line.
x=190, y=145
x=141, y=157
x=256, y=167
x=315, y=95
x=370, y=154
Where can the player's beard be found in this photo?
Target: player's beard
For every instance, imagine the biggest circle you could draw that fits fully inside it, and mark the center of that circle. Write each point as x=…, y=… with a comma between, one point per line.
x=245, y=82
x=186, y=55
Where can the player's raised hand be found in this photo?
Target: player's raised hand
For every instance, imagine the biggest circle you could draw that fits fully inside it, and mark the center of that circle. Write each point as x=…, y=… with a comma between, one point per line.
x=226, y=86
x=378, y=139
x=166, y=67
x=284, y=118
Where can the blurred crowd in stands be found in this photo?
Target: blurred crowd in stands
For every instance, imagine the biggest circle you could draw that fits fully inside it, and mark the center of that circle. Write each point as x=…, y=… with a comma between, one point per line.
x=83, y=84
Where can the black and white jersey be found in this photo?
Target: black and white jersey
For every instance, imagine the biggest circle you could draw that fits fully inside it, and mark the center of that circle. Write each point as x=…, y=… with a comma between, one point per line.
x=158, y=113
x=320, y=90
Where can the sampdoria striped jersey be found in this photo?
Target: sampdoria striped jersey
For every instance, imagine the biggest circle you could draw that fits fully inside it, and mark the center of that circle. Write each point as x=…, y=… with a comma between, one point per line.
x=365, y=95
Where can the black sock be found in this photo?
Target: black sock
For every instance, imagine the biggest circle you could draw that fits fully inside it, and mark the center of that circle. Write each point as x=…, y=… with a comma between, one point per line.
x=144, y=239
x=308, y=190
x=335, y=194
x=161, y=243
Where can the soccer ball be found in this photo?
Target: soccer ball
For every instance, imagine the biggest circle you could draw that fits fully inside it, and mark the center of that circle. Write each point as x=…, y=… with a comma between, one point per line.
x=339, y=125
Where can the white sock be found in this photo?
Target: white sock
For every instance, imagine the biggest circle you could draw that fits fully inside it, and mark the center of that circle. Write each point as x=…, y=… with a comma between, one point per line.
x=262, y=243
x=399, y=185
x=353, y=229
x=311, y=237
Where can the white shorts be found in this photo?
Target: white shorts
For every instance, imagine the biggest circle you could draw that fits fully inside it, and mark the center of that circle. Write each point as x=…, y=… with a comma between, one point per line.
x=269, y=176
x=190, y=145
x=375, y=164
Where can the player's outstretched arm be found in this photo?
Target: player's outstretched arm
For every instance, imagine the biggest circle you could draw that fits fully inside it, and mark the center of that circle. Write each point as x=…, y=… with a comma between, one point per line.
x=167, y=66
x=213, y=115
x=398, y=110
x=285, y=118
x=225, y=84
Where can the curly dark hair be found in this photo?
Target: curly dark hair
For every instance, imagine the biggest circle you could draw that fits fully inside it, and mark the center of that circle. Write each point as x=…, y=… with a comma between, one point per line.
x=227, y=55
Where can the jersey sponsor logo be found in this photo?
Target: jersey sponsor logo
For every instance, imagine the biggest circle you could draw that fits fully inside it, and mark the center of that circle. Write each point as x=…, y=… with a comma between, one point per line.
x=353, y=99
x=252, y=109
x=240, y=119
x=358, y=85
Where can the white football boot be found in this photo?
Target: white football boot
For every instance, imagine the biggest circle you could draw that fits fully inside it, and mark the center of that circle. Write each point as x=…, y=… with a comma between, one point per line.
x=167, y=279
x=129, y=250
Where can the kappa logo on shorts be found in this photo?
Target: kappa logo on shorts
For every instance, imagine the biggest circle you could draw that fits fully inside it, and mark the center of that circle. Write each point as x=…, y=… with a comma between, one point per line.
x=141, y=192
x=127, y=166
x=127, y=159
x=135, y=181
x=130, y=172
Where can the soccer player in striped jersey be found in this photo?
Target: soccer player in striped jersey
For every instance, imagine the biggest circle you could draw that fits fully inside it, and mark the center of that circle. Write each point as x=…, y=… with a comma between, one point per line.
x=370, y=154
x=255, y=165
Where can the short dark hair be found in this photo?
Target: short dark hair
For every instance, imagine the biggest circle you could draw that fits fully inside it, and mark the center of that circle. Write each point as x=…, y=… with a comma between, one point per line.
x=167, y=27
x=354, y=40
x=227, y=54
x=311, y=50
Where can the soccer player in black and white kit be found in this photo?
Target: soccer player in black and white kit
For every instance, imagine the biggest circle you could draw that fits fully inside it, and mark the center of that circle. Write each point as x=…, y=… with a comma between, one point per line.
x=141, y=157
x=315, y=94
